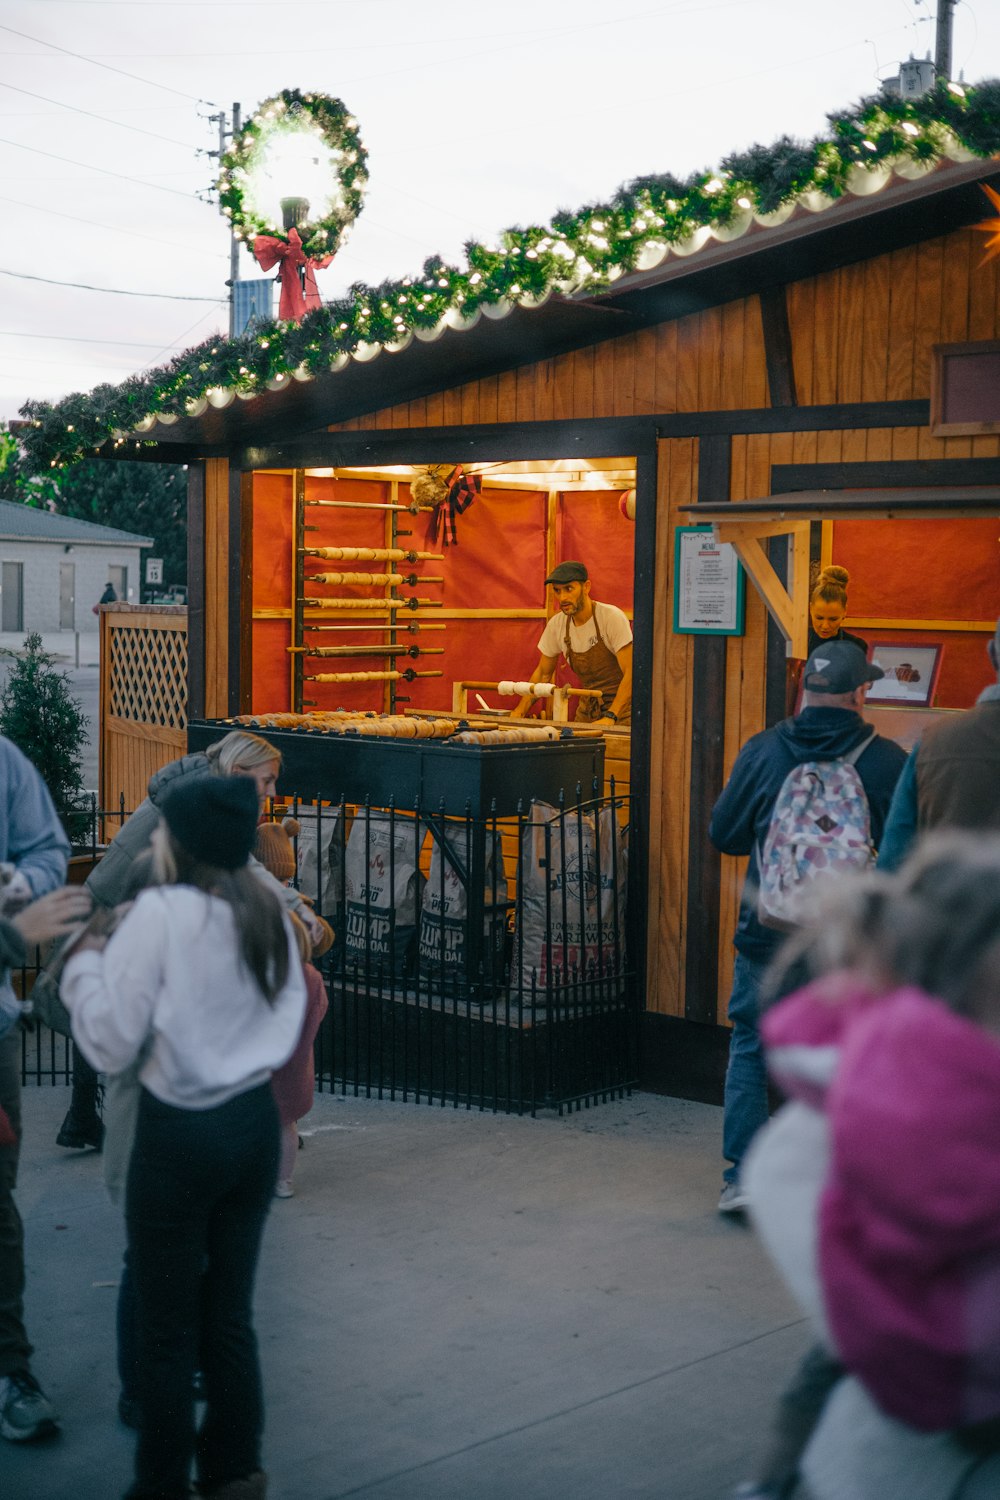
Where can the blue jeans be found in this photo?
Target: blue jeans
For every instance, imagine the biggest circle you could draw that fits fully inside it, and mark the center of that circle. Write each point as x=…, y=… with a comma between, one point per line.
x=745, y=1098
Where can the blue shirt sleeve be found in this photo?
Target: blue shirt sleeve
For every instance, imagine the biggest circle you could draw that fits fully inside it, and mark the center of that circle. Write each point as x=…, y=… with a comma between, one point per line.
x=36, y=843
x=900, y=830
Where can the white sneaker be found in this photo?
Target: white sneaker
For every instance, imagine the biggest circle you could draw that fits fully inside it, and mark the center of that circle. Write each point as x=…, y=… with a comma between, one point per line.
x=284, y=1189
x=733, y=1199
x=25, y=1410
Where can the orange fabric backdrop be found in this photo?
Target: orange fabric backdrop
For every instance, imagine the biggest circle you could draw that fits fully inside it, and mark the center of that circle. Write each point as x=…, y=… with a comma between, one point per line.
x=499, y=563
x=927, y=570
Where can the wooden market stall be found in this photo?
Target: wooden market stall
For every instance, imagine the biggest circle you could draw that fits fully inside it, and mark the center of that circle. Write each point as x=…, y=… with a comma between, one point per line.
x=777, y=385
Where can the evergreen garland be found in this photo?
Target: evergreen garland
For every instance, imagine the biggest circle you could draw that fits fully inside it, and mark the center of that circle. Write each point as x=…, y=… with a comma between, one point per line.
x=585, y=249
x=41, y=718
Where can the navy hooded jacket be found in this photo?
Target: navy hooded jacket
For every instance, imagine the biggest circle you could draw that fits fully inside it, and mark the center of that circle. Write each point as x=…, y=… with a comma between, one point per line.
x=742, y=815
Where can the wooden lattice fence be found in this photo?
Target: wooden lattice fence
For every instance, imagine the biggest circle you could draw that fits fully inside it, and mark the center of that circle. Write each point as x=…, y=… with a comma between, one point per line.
x=143, y=699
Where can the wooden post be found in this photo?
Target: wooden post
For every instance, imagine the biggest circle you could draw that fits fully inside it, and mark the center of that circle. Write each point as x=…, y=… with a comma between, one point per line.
x=196, y=592
x=708, y=728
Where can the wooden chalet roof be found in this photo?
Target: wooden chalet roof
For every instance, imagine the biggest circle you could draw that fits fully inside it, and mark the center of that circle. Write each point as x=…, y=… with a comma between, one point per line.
x=904, y=212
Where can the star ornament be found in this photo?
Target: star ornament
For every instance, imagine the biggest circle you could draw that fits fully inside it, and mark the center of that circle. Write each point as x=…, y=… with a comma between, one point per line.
x=990, y=226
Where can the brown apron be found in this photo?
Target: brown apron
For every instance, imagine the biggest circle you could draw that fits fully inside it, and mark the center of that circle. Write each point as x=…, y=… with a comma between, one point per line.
x=597, y=669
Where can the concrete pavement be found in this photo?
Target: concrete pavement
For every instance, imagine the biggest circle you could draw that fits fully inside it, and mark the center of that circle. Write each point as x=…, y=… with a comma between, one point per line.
x=452, y=1305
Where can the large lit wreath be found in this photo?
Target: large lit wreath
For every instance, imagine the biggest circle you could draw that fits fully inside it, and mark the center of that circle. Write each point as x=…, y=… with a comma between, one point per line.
x=296, y=145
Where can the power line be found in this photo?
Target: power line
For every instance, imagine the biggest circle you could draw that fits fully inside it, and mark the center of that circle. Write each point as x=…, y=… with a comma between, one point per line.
x=64, y=338
x=86, y=165
x=102, y=118
x=107, y=66
x=136, y=234
x=113, y=291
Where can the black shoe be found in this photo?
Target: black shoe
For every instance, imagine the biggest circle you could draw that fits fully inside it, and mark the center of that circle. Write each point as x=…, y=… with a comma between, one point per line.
x=77, y=1132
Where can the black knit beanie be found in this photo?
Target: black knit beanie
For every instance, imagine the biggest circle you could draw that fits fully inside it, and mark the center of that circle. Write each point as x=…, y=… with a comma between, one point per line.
x=214, y=819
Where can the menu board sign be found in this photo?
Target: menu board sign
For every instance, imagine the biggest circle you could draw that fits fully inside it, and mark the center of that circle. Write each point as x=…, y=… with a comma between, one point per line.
x=708, y=584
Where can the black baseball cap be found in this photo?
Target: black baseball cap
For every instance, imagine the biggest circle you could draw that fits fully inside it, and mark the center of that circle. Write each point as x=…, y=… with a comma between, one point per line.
x=569, y=572
x=838, y=667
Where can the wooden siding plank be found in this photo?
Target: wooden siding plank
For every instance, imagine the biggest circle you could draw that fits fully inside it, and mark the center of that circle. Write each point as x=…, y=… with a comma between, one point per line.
x=801, y=302
x=470, y=403
x=850, y=330
x=507, y=396
x=732, y=354
x=524, y=393
x=711, y=357
x=874, y=332
x=583, y=383
x=622, y=376
x=545, y=391
x=489, y=388
x=645, y=372
x=826, y=339
x=955, y=288
x=902, y=313
x=604, y=378
x=755, y=383
x=927, y=313
x=688, y=331
x=562, y=399
x=665, y=369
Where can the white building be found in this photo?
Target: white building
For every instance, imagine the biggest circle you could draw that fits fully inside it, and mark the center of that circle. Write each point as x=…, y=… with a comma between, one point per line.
x=54, y=569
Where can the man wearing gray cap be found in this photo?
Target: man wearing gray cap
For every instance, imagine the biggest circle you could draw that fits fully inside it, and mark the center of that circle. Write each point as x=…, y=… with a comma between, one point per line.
x=828, y=727
x=595, y=639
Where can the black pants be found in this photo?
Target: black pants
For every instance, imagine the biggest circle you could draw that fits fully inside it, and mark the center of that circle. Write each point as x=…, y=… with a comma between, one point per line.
x=199, y=1189
x=15, y=1351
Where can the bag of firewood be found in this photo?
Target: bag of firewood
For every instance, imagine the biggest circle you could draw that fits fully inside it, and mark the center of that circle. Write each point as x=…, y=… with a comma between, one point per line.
x=572, y=876
x=444, y=917
x=381, y=892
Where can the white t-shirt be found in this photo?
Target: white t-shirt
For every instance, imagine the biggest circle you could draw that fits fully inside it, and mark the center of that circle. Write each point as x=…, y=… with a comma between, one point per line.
x=170, y=986
x=616, y=632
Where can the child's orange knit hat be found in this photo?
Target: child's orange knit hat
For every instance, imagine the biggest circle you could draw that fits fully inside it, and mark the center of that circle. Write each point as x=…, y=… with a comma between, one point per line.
x=274, y=848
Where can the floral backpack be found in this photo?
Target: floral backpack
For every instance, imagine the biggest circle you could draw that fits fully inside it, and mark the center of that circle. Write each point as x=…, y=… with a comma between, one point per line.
x=820, y=827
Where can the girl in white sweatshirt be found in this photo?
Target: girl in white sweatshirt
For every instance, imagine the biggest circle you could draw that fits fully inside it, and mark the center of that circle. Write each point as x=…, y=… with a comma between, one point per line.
x=202, y=984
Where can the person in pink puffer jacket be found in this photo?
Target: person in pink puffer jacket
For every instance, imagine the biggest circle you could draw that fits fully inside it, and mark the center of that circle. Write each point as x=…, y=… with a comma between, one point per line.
x=877, y=1189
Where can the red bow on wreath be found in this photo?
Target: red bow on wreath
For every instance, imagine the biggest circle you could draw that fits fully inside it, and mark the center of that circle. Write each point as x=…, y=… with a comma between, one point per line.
x=462, y=490
x=299, y=295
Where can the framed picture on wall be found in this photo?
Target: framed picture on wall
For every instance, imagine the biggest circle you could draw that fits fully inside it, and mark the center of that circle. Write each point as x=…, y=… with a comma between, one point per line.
x=911, y=673
x=708, y=584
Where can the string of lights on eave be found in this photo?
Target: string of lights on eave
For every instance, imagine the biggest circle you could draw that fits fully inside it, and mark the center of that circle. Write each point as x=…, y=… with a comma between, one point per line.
x=583, y=251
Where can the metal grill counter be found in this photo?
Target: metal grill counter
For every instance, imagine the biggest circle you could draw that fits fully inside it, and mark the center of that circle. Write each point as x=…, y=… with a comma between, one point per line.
x=475, y=879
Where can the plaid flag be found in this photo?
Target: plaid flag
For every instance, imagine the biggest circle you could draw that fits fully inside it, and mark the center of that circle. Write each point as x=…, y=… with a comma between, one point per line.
x=462, y=490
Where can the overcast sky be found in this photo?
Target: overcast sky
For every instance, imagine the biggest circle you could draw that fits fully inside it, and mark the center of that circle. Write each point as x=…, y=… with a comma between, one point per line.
x=475, y=116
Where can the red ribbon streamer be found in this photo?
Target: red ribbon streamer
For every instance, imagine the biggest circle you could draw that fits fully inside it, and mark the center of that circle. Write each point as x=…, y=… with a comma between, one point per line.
x=289, y=256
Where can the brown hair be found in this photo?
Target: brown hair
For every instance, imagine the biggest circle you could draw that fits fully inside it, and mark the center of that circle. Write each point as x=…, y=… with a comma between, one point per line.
x=260, y=930
x=935, y=925
x=831, y=586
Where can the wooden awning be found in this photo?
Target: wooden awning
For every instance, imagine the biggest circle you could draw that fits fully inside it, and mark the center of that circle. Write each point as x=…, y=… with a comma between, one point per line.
x=747, y=524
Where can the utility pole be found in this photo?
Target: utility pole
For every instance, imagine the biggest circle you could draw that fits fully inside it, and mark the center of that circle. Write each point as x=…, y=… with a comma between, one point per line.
x=228, y=127
x=942, y=40
x=234, y=244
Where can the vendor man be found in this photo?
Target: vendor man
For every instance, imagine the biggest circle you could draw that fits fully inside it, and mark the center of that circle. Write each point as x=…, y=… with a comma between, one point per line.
x=596, y=640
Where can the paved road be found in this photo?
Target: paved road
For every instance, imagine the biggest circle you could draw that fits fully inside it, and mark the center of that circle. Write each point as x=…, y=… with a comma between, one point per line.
x=452, y=1305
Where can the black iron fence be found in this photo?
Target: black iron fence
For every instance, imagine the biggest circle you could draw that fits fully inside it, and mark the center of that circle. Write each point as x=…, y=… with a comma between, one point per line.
x=478, y=962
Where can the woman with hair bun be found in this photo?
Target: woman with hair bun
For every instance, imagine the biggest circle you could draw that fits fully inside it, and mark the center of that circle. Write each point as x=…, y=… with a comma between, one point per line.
x=828, y=610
